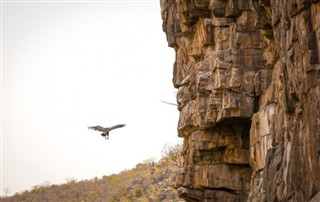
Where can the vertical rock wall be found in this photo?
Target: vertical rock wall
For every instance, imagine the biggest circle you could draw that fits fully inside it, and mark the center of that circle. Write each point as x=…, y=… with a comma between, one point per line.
x=248, y=75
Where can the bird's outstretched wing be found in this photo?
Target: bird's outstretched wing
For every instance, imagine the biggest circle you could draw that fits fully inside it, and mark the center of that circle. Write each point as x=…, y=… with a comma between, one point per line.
x=98, y=128
x=117, y=126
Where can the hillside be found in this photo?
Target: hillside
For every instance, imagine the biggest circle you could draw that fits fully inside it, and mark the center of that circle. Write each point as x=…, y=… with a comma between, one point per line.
x=148, y=181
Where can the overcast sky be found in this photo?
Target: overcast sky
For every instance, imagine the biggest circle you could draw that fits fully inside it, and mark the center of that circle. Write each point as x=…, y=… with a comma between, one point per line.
x=67, y=65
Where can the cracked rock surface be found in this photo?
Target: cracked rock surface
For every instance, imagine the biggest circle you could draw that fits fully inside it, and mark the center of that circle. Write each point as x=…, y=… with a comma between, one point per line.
x=248, y=80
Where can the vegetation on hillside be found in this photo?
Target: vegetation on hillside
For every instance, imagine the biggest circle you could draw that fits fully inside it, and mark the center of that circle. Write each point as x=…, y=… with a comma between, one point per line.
x=148, y=181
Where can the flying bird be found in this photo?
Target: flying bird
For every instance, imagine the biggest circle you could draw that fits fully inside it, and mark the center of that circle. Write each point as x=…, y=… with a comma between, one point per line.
x=106, y=130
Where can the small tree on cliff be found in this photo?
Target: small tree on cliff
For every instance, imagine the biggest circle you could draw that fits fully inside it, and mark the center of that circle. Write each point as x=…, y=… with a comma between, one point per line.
x=172, y=155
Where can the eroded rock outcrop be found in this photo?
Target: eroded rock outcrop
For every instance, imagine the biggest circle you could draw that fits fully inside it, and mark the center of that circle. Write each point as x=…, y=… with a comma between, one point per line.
x=248, y=75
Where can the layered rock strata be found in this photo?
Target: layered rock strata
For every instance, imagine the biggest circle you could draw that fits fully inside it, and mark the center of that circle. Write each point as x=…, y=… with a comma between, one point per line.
x=248, y=75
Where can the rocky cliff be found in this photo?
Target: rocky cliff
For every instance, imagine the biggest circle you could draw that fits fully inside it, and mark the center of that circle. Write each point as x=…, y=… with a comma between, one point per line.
x=248, y=75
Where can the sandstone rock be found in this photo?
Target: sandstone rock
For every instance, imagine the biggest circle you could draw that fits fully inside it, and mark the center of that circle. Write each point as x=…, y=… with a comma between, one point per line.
x=248, y=75
x=316, y=198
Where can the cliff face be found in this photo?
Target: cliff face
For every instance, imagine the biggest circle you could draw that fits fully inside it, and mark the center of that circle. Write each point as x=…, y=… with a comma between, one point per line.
x=248, y=75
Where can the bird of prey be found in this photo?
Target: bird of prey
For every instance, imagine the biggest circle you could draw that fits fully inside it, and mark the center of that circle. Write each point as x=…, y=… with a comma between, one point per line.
x=106, y=130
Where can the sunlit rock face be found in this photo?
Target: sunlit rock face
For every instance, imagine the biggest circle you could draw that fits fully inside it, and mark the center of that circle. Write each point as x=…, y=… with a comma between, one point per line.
x=248, y=75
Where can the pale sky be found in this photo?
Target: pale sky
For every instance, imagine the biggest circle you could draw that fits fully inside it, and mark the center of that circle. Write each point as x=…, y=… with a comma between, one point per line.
x=67, y=65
